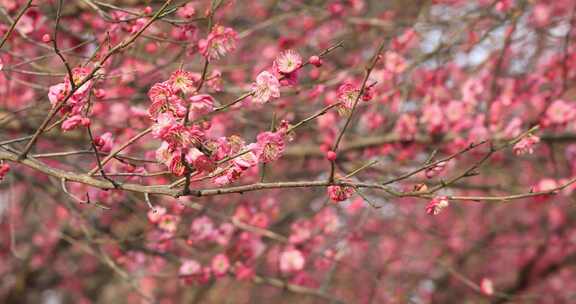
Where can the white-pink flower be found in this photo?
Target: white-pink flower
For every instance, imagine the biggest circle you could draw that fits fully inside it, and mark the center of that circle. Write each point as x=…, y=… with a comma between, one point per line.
x=288, y=62
x=526, y=145
x=220, y=265
x=291, y=260
x=436, y=205
x=266, y=87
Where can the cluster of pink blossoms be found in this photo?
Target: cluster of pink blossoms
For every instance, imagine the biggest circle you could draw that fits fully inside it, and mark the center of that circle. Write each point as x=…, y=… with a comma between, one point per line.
x=74, y=105
x=219, y=42
x=185, y=145
x=526, y=145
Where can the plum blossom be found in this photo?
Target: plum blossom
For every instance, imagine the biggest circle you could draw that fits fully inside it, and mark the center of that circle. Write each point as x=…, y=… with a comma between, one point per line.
x=168, y=223
x=559, y=113
x=436, y=205
x=291, y=260
x=74, y=122
x=288, y=62
x=104, y=142
x=200, y=105
x=57, y=93
x=186, y=11
x=526, y=145
x=191, y=271
x=486, y=286
x=4, y=169
x=156, y=214
x=340, y=193
x=164, y=100
x=265, y=88
x=270, y=146
x=183, y=81
x=394, y=62
x=220, y=265
x=347, y=95
x=219, y=42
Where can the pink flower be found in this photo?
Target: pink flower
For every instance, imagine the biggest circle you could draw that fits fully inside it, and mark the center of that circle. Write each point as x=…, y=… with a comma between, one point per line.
x=57, y=93
x=182, y=81
x=156, y=214
x=104, y=142
x=266, y=87
x=202, y=229
x=177, y=167
x=433, y=118
x=243, y=272
x=168, y=223
x=486, y=286
x=394, y=62
x=190, y=271
x=164, y=101
x=269, y=147
x=340, y=193
x=160, y=92
x=4, y=169
x=220, y=265
x=200, y=105
x=164, y=153
x=219, y=42
x=291, y=260
x=74, y=122
x=347, y=95
x=248, y=159
x=406, y=126
x=436, y=205
x=559, y=113
x=229, y=176
x=186, y=11
x=526, y=145
x=200, y=161
x=288, y=62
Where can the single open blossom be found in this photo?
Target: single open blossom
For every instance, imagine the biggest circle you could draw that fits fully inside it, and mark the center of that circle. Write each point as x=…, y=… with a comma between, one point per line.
x=186, y=11
x=220, y=265
x=291, y=260
x=57, y=93
x=243, y=272
x=164, y=101
x=486, y=286
x=288, y=62
x=200, y=161
x=270, y=146
x=340, y=193
x=219, y=42
x=4, y=169
x=104, y=142
x=189, y=269
x=177, y=167
x=526, y=145
x=200, y=105
x=347, y=95
x=183, y=81
x=74, y=122
x=168, y=223
x=559, y=112
x=265, y=88
x=436, y=205
x=156, y=214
